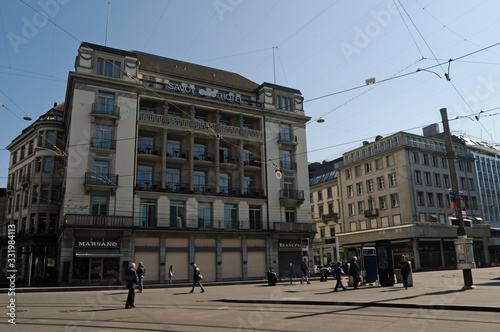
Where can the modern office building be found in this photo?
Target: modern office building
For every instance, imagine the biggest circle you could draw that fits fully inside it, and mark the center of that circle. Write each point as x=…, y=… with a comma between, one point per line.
x=170, y=163
x=396, y=190
x=33, y=198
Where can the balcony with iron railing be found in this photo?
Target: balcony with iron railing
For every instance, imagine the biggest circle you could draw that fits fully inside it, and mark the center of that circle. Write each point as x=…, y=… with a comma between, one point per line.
x=98, y=221
x=286, y=138
x=177, y=187
x=330, y=216
x=105, y=109
x=181, y=154
x=102, y=144
x=203, y=157
x=229, y=159
x=208, y=127
x=204, y=189
x=371, y=213
x=297, y=227
x=101, y=179
x=148, y=185
x=252, y=162
x=290, y=194
x=152, y=150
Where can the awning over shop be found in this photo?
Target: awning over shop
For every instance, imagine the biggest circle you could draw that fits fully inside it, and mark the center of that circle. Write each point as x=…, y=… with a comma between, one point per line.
x=97, y=252
x=435, y=216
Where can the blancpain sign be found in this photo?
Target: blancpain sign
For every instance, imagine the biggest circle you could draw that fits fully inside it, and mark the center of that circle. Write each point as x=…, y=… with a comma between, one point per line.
x=207, y=93
x=101, y=244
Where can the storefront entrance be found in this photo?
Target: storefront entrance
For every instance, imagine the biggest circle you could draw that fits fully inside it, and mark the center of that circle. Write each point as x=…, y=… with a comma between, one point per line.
x=96, y=270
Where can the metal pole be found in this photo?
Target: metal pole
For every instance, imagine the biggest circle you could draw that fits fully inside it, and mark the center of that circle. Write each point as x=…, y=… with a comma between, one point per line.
x=467, y=273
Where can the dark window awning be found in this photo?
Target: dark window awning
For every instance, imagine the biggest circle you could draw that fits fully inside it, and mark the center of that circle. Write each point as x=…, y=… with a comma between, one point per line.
x=435, y=216
x=97, y=252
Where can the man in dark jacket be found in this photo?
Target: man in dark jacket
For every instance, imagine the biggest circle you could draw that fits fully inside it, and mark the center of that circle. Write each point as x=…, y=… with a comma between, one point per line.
x=141, y=273
x=131, y=277
x=337, y=272
x=197, y=278
x=355, y=271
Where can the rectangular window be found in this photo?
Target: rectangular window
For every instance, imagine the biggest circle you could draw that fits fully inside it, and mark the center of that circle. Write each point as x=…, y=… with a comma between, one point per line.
x=446, y=181
x=415, y=158
x=34, y=197
x=199, y=151
x=430, y=199
x=437, y=180
x=101, y=172
x=428, y=179
x=199, y=179
x=286, y=159
x=394, y=200
x=439, y=200
x=444, y=164
x=99, y=205
x=350, y=191
x=108, y=68
x=44, y=193
x=320, y=211
x=284, y=103
x=359, y=188
x=103, y=136
x=173, y=179
x=145, y=177
x=471, y=184
x=369, y=186
x=255, y=217
x=248, y=185
x=357, y=170
x=350, y=207
x=418, y=177
x=147, y=213
x=368, y=167
x=146, y=145
x=47, y=164
x=311, y=198
x=380, y=183
x=425, y=159
x=106, y=103
x=435, y=162
x=389, y=160
x=230, y=216
x=289, y=214
x=382, y=202
x=177, y=214
x=224, y=183
x=463, y=183
x=285, y=133
x=320, y=195
x=361, y=207
x=173, y=148
x=420, y=198
x=348, y=173
x=329, y=192
x=378, y=164
x=204, y=215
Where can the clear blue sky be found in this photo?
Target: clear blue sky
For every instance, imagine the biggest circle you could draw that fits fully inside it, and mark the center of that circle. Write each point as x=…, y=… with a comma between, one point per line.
x=323, y=48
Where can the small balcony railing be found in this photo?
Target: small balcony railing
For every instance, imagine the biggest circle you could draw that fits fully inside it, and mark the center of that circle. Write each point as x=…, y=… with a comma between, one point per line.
x=183, y=154
x=371, y=213
x=148, y=185
x=149, y=150
x=330, y=216
x=295, y=227
x=103, y=144
x=93, y=178
x=292, y=194
x=253, y=193
x=105, y=109
x=229, y=160
x=175, y=187
x=203, y=156
x=97, y=220
x=288, y=166
x=205, y=189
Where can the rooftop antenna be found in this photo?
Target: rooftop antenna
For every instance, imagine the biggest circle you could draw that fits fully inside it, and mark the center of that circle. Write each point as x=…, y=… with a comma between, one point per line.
x=274, y=66
x=107, y=21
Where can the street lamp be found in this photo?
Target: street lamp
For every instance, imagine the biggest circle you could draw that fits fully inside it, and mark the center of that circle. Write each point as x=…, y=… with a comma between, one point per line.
x=463, y=245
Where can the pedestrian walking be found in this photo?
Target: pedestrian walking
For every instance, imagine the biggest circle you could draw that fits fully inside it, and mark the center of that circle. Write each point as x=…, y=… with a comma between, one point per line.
x=170, y=274
x=141, y=274
x=132, y=279
x=338, y=273
x=355, y=271
x=197, y=277
x=405, y=270
x=304, y=267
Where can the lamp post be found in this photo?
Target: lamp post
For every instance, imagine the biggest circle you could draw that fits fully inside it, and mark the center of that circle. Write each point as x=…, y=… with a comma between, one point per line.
x=463, y=245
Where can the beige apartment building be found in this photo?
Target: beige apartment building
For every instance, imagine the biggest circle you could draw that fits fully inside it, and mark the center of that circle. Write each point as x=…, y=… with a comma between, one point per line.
x=397, y=189
x=325, y=202
x=33, y=199
x=170, y=163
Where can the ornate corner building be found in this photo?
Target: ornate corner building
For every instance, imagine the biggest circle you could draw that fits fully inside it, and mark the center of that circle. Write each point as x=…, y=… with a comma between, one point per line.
x=168, y=163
